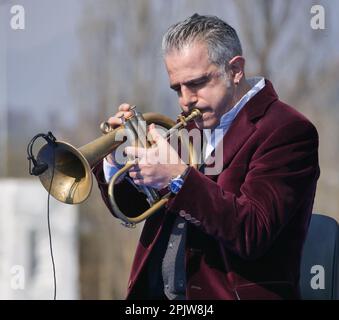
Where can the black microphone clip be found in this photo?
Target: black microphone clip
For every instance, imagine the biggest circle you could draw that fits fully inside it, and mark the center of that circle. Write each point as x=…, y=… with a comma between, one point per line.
x=39, y=167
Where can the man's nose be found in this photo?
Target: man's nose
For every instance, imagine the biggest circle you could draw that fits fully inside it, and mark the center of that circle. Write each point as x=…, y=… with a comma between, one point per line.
x=188, y=97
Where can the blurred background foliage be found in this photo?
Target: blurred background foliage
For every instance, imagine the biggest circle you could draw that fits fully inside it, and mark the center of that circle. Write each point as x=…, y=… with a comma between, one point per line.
x=78, y=60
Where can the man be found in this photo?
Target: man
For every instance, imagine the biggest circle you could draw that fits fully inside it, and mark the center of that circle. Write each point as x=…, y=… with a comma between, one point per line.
x=238, y=234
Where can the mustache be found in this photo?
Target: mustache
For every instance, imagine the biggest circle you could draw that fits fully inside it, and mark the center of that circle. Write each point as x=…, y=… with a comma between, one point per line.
x=190, y=109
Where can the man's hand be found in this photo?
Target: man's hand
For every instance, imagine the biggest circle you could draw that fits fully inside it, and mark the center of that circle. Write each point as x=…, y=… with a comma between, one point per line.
x=156, y=165
x=115, y=122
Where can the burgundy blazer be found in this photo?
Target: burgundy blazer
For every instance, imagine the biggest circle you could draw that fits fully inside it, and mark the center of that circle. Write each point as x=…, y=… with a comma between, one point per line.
x=247, y=225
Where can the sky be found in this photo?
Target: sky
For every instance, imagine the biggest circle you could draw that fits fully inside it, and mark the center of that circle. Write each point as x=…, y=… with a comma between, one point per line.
x=36, y=63
x=39, y=58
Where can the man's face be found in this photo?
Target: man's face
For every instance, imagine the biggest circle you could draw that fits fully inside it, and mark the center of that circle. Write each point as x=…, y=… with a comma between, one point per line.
x=200, y=84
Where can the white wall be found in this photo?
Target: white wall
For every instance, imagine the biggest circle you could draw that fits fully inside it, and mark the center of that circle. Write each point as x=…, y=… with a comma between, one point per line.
x=25, y=262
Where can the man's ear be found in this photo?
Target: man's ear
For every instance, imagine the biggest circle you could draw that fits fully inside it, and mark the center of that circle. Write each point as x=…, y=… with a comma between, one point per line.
x=236, y=65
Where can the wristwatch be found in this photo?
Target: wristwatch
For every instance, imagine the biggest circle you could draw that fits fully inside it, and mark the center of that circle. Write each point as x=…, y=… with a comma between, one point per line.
x=176, y=183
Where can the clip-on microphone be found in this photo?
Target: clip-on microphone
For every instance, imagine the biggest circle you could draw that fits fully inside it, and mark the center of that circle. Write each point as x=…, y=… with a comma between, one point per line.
x=39, y=167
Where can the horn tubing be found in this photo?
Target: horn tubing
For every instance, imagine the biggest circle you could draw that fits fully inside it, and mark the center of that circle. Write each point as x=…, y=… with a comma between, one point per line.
x=167, y=123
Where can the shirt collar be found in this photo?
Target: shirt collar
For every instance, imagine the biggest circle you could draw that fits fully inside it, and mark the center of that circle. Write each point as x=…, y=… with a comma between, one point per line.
x=256, y=83
x=214, y=137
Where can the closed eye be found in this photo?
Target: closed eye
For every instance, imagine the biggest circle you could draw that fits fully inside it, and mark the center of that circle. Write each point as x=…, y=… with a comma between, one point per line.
x=193, y=84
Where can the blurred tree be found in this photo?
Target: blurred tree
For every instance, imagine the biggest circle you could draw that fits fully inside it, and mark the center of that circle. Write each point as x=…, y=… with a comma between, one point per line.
x=262, y=25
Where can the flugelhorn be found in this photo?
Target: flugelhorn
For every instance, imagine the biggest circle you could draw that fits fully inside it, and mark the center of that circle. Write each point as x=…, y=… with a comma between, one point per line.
x=69, y=176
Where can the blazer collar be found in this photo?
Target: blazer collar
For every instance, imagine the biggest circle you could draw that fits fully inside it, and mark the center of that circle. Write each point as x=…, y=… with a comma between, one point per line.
x=257, y=106
x=243, y=125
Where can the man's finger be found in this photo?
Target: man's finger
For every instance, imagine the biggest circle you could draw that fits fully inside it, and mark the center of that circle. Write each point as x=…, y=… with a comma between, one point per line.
x=135, y=152
x=155, y=134
x=139, y=182
x=114, y=121
x=124, y=107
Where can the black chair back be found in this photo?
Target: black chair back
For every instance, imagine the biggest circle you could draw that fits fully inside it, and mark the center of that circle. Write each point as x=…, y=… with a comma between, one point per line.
x=319, y=265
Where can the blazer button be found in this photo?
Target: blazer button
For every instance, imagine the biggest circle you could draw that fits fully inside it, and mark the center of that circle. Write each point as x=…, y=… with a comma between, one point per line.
x=188, y=217
x=182, y=213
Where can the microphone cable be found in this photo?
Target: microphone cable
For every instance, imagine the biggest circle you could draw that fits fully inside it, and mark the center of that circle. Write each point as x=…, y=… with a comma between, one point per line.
x=39, y=167
x=49, y=228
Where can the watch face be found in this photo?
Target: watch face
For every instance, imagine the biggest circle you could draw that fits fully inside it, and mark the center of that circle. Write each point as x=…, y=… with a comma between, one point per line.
x=176, y=185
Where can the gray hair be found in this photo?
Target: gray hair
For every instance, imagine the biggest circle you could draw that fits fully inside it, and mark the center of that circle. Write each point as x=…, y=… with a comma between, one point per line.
x=222, y=40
